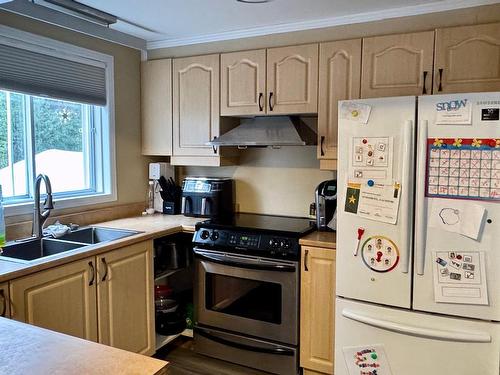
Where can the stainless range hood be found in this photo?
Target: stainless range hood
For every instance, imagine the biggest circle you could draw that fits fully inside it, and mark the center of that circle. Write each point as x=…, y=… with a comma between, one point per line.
x=273, y=131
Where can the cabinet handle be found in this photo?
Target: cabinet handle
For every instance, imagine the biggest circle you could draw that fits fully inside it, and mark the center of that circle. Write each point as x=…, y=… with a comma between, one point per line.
x=213, y=147
x=322, y=141
x=306, y=253
x=105, y=269
x=424, y=90
x=271, y=101
x=4, y=303
x=91, y=282
x=440, y=87
x=261, y=106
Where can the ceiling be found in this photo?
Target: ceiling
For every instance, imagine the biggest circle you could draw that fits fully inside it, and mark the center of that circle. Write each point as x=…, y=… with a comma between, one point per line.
x=166, y=23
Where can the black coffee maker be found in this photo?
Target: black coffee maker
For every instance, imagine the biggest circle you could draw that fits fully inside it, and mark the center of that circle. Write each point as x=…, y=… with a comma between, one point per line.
x=326, y=204
x=210, y=197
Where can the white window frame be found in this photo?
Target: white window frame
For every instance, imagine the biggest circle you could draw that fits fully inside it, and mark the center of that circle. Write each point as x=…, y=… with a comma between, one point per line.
x=33, y=42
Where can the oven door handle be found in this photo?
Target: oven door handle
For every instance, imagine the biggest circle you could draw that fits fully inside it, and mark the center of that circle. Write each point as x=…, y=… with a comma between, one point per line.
x=242, y=263
x=277, y=350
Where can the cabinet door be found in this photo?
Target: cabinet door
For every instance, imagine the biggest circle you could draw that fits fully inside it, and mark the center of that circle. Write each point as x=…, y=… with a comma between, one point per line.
x=4, y=301
x=339, y=79
x=397, y=65
x=317, y=309
x=156, y=107
x=243, y=83
x=467, y=59
x=125, y=298
x=196, y=105
x=62, y=299
x=292, y=79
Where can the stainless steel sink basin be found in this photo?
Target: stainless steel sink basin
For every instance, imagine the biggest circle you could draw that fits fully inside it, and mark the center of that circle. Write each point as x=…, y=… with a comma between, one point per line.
x=37, y=248
x=93, y=235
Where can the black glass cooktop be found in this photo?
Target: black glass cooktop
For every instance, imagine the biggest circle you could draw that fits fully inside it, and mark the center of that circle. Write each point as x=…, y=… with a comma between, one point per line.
x=289, y=226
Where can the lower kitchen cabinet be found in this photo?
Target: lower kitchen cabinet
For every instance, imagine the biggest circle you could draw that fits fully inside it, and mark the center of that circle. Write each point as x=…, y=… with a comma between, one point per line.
x=125, y=298
x=317, y=310
x=61, y=299
x=4, y=300
x=107, y=299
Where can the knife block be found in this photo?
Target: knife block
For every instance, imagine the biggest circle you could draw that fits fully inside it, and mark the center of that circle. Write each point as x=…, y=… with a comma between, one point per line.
x=172, y=207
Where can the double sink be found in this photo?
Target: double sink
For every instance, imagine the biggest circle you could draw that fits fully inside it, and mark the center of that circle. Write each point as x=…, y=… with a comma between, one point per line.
x=32, y=249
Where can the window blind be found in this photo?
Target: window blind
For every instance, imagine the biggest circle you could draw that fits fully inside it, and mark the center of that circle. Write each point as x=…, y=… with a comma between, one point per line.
x=39, y=74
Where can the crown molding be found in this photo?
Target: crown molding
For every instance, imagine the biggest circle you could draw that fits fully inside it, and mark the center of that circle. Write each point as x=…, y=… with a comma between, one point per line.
x=415, y=10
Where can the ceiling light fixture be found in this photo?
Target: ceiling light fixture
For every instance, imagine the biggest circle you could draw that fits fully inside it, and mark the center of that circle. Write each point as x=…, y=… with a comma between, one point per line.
x=253, y=1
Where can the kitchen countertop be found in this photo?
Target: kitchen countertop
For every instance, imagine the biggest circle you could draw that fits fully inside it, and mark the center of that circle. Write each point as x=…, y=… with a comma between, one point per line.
x=27, y=349
x=151, y=226
x=320, y=239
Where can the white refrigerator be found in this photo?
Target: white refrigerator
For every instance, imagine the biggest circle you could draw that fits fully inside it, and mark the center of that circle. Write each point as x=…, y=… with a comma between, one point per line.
x=418, y=236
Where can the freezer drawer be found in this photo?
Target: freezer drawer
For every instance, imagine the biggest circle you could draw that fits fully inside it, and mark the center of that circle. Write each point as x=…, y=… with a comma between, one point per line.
x=415, y=343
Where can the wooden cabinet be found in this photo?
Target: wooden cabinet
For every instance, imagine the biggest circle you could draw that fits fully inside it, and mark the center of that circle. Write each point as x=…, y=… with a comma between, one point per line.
x=156, y=107
x=243, y=83
x=339, y=79
x=4, y=300
x=292, y=79
x=62, y=299
x=108, y=298
x=467, y=59
x=396, y=65
x=125, y=298
x=277, y=81
x=317, y=310
x=195, y=106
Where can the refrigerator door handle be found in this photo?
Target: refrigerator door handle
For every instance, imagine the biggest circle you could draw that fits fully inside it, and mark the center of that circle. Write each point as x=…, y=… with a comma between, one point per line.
x=408, y=139
x=420, y=206
x=428, y=333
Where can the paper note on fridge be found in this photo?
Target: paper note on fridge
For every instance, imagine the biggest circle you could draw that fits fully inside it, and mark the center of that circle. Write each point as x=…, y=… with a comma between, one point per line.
x=458, y=216
x=454, y=112
x=379, y=202
x=460, y=277
x=355, y=112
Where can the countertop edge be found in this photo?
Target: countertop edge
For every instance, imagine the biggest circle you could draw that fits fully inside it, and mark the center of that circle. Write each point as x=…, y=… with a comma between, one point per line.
x=20, y=269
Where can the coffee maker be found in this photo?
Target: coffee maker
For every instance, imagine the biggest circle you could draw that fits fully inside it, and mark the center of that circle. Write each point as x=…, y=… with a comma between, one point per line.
x=326, y=205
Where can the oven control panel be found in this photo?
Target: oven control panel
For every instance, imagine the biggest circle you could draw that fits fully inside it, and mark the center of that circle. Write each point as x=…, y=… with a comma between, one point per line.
x=248, y=243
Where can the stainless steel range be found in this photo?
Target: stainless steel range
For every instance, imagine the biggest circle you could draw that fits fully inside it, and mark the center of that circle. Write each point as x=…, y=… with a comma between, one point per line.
x=247, y=290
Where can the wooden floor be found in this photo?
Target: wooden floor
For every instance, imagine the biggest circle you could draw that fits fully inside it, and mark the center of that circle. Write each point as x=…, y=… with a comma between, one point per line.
x=184, y=361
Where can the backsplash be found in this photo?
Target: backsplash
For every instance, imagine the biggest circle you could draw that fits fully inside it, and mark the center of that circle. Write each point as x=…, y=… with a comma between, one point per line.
x=271, y=181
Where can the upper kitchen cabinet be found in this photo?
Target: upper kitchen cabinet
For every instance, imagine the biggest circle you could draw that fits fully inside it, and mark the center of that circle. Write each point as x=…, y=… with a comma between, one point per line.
x=195, y=108
x=156, y=105
x=292, y=79
x=339, y=79
x=396, y=65
x=467, y=59
x=243, y=83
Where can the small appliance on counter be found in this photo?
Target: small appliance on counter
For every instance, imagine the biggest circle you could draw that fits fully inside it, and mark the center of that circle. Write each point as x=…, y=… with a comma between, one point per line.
x=207, y=197
x=326, y=205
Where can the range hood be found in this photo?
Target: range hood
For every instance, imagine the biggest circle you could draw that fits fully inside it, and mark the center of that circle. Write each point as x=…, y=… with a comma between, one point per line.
x=273, y=131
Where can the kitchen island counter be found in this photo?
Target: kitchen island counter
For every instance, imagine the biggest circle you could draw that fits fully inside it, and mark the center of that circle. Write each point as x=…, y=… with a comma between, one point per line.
x=32, y=350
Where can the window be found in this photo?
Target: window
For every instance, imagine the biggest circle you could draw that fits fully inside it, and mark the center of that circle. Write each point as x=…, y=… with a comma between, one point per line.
x=55, y=119
x=53, y=137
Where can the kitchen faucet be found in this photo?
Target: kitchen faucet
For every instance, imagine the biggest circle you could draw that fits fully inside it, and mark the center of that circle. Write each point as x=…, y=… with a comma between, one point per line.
x=40, y=218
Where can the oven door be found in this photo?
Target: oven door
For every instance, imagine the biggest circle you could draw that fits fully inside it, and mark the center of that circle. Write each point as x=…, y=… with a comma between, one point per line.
x=255, y=297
